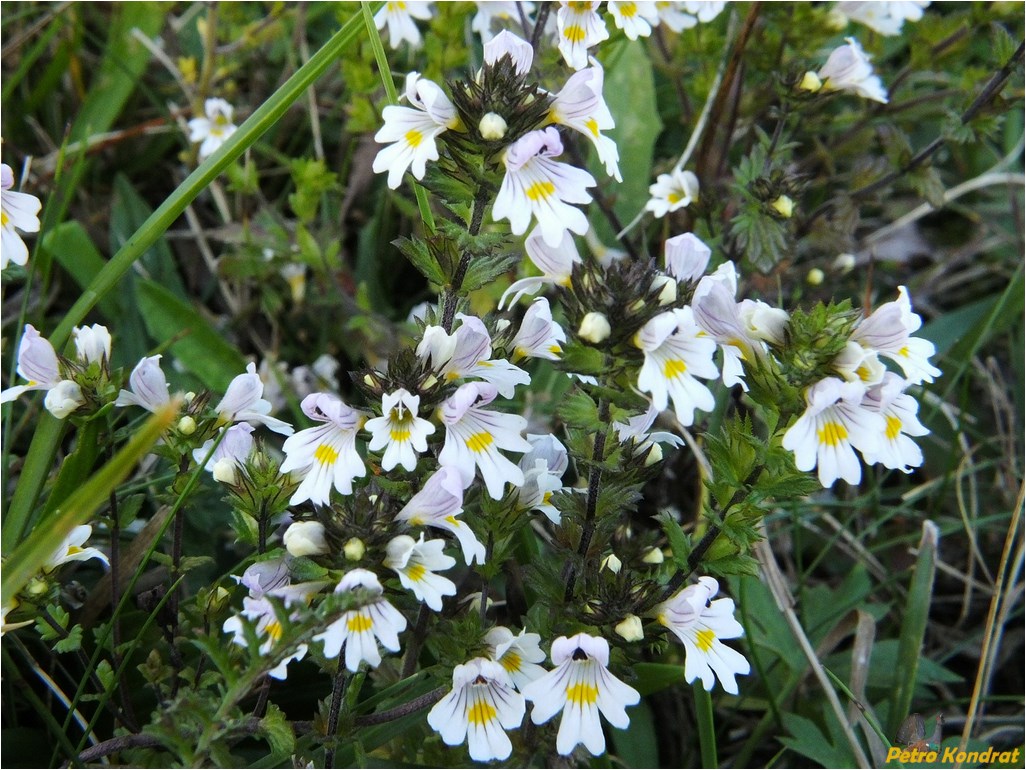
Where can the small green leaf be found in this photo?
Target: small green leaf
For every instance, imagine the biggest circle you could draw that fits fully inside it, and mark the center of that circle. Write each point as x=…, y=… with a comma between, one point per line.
x=72, y=642
x=279, y=732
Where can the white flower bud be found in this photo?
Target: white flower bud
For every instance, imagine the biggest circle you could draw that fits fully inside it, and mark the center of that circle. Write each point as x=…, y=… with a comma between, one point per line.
x=369, y=381
x=63, y=399
x=811, y=82
x=653, y=556
x=630, y=628
x=354, y=549
x=224, y=471
x=611, y=563
x=187, y=426
x=188, y=397
x=92, y=343
x=655, y=455
x=594, y=328
x=305, y=538
x=815, y=277
x=783, y=206
x=844, y=263
x=37, y=587
x=667, y=289
x=492, y=126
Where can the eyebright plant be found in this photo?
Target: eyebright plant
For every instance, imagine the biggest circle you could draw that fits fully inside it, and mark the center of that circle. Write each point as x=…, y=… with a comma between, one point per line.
x=437, y=542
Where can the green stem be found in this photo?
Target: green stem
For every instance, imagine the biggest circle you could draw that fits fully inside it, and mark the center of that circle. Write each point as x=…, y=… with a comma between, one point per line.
x=41, y=453
x=706, y=729
x=393, y=98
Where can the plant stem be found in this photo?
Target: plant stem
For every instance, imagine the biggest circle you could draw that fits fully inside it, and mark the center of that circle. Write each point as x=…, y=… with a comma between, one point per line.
x=413, y=648
x=452, y=292
x=598, y=454
x=425, y=700
x=337, y=690
x=706, y=729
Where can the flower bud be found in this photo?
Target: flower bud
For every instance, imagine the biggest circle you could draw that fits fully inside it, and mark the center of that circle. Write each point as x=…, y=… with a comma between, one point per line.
x=369, y=381
x=429, y=382
x=815, y=277
x=655, y=455
x=187, y=426
x=37, y=587
x=653, y=556
x=224, y=471
x=217, y=600
x=354, y=549
x=492, y=126
x=811, y=82
x=783, y=206
x=630, y=628
x=188, y=397
x=844, y=263
x=611, y=563
x=594, y=328
x=306, y=538
x=92, y=343
x=63, y=399
x=667, y=287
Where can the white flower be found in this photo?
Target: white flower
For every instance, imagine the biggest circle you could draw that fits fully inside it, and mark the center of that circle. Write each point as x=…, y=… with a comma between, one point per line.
x=474, y=436
x=37, y=363
x=536, y=185
x=362, y=628
x=148, y=386
x=719, y=315
x=480, y=707
x=858, y=364
x=594, y=328
x=410, y=132
x=63, y=399
x=634, y=18
x=71, y=549
x=700, y=625
x=244, y=402
x=895, y=449
x=671, y=192
x=579, y=28
x=676, y=352
x=319, y=377
x=467, y=353
x=556, y=263
x=489, y=12
x=646, y=441
x=92, y=343
x=506, y=43
x=763, y=322
x=305, y=538
x=580, y=106
x=18, y=211
x=399, y=17
x=888, y=330
x=543, y=467
x=399, y=430
x=886, y=18
x=437, y=505
x=848, y=69
x=214, y=129
x=258, y=611
x=539, y=336
x=519, y=655
x=834, y=424
x=324, y=455
x=580, y=686
x=704, y=10
x=234, y=448
x=673, y=16
x=686, y=257
x=415, y=561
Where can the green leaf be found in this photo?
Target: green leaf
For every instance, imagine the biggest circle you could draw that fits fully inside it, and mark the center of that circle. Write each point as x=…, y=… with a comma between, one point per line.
x=279, y=732
x=128, y=212
x=680, y=543
x=72, y=642
x=202, y=350
x=653, y=677
x=579, y=410
x=421, y=258
x=638, y=745
x=809, y=741
x=486, y=268
x=75, y=251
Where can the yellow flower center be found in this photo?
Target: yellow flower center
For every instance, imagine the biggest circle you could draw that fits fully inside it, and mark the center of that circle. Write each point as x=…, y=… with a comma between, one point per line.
x=479, y=442
x=674, y=368
x=904, y=351
x=359, y=623
x=511, y=662
x=399, y=435
x=832, y=433
x=414, y=137
x=325, y=455
x=893, y=427
x=416, y=572
x=674, y=197
x=704, y=639
x=581, y=694
x=540, y=190
x=574, y=33
x=592, y=125
x=628, y=10
x=481, y=713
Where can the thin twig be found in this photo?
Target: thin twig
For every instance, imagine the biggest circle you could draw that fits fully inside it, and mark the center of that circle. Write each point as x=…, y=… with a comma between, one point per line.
x=598, y=454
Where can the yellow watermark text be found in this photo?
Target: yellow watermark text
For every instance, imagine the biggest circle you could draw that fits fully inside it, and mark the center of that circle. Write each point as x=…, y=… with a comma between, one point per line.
x=912, y=756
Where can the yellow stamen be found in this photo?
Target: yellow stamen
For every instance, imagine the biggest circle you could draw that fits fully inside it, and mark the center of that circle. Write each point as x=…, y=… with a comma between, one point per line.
x=832, y=434
x=893, y=427
x=416, y=572
x=414, y=137
x=674, y=368
x=511, y=662
x=479, y=442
